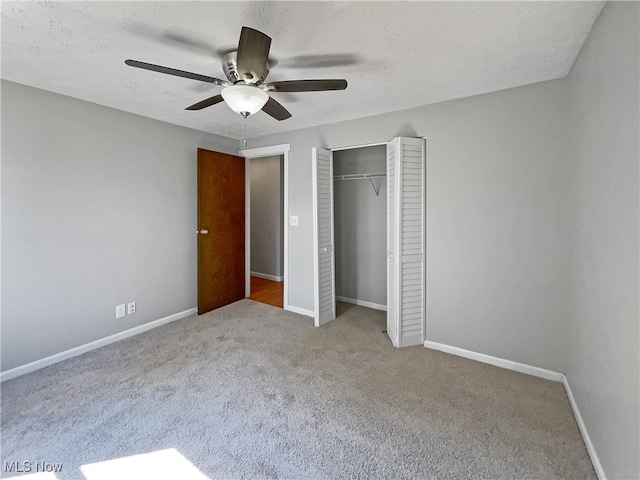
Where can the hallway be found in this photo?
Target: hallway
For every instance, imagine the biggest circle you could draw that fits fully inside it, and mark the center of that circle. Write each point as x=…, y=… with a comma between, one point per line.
x=267, y=291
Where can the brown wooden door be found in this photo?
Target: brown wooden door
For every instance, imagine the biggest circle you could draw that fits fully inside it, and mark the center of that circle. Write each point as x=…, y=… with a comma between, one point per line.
x=221, y=237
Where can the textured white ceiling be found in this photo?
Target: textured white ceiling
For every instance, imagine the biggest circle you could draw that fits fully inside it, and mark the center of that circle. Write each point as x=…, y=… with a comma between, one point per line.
x=411, y=53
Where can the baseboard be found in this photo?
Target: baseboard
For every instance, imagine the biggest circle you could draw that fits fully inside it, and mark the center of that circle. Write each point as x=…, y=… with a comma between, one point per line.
x=301, y=311
x=498, y=362
x=87, y=347
x=536, y=372
x=266, y=276
x=362, y=303
x=595, y=460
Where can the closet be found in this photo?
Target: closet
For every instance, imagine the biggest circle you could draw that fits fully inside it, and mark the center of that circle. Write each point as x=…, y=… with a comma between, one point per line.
x=360, y=225
x=404, y=234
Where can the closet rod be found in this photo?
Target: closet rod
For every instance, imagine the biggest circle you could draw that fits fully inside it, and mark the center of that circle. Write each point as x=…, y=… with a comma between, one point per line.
x=359, y=176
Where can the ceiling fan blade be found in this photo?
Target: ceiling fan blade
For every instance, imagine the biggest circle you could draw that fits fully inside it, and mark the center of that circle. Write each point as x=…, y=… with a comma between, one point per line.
x=173, y=71
x=192, y=40
x=206, y=103
x=276, y=110
x=322, y=60
x=307, y=85
x=253, y=54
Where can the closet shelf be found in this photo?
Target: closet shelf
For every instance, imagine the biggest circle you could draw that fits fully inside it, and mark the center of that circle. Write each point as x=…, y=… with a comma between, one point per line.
x=363, y=176
x=359, y=176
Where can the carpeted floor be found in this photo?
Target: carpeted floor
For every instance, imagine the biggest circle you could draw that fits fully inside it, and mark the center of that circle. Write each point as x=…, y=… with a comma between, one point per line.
x=253, y=391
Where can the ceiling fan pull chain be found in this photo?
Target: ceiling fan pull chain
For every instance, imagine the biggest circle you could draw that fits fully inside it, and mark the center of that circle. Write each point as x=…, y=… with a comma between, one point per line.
x=244, y=143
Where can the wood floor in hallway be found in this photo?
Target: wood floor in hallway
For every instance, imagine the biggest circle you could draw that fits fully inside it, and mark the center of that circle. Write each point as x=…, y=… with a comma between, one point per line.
x=267, y=291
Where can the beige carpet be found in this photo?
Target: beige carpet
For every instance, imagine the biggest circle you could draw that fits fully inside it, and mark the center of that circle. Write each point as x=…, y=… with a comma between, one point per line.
x=252, y=391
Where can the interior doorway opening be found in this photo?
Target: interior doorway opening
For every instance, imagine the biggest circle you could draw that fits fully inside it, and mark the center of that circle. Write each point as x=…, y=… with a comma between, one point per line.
x=360, y=231
x=266, y=229
x=259, y=152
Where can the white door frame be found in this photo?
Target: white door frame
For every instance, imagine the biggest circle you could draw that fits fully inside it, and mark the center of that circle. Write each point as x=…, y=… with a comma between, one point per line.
x=248, y=154
x=351, y=147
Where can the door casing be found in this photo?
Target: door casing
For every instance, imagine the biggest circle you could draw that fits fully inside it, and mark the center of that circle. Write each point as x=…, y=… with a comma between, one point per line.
x=248, y=154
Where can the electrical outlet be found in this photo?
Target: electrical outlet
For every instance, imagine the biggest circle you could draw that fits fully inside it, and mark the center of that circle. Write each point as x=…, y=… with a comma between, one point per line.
x=120, y=311
x=131, y=308
x=293, y=221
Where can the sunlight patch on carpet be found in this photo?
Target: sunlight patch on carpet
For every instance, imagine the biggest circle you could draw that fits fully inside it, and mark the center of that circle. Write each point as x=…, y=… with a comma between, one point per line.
x=159, y=465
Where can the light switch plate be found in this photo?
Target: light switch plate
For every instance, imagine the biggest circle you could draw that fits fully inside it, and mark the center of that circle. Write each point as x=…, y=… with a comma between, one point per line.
x=120, y=311
x=293, y=221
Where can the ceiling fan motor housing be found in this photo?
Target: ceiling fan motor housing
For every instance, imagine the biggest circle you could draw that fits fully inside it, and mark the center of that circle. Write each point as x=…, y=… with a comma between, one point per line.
x=230, y=67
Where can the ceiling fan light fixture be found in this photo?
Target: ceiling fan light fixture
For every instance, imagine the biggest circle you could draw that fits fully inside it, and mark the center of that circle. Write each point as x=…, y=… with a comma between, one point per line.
x=244, y=99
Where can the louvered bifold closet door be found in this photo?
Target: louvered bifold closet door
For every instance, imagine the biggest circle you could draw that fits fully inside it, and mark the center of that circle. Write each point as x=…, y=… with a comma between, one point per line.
x=410, y=248
x=392, y=234
x=324, y=261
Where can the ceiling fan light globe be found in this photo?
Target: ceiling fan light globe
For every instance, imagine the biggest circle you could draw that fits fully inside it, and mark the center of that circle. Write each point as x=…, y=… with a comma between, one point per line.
x=244, y=98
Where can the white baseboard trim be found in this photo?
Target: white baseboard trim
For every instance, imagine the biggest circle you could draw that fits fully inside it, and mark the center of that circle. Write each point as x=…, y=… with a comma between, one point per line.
x=362, y=303
x=266, y=276
x=536, y=372
x=498, y=362
x=87, y=347
x=301, y=311
x=591, y=450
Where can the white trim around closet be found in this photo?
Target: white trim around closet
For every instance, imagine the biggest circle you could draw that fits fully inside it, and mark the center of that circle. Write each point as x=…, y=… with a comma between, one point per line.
x=351, y=147
x=362, y=303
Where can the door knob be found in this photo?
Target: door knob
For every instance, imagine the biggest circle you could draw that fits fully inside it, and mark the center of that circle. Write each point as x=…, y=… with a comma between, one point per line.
x=203, y=231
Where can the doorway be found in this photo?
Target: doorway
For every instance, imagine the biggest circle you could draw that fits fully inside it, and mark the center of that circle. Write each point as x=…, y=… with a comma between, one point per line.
x=266, y=230
x=360, y=218
x=268, y=287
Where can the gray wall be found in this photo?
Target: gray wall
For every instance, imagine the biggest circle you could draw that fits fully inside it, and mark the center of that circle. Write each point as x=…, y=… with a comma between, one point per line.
x=267, y=210
x=98, y=209
x=361, y=225
x=495, y=221
x=602, y=332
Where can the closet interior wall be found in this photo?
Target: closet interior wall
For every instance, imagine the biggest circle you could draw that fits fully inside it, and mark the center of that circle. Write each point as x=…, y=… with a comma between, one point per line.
x=360, y=229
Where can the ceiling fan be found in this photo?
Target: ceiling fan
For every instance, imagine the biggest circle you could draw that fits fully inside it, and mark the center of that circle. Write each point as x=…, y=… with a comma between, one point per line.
x=246, y=69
